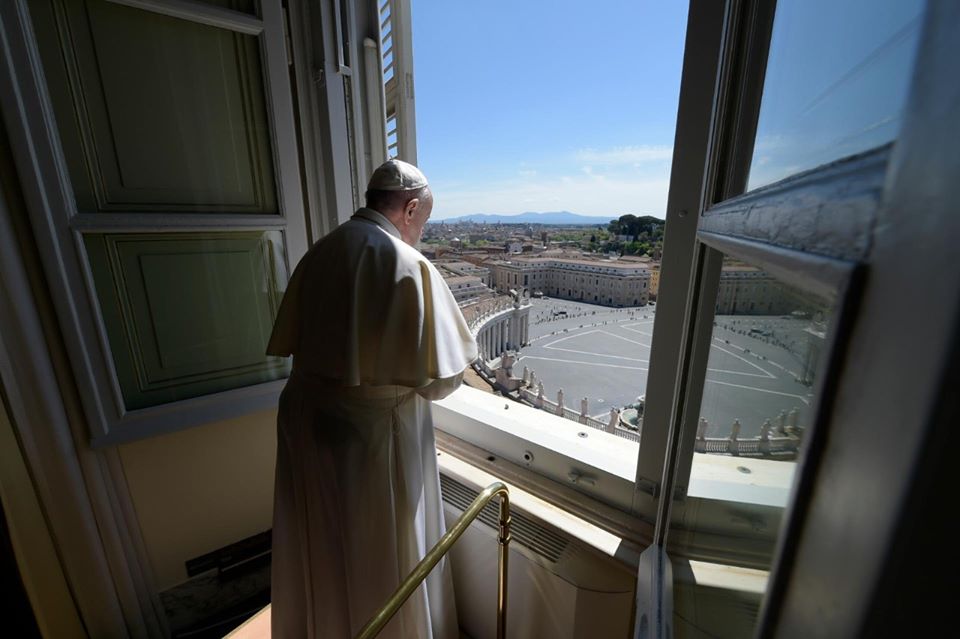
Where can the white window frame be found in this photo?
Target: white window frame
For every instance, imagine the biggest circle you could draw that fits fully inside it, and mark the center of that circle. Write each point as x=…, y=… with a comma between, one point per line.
x=725, y=59
x=813, y=231
x=59, y=227
x=776, y=237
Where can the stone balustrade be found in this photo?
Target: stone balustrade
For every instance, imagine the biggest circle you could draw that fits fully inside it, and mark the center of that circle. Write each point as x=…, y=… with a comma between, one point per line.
x=784, y=445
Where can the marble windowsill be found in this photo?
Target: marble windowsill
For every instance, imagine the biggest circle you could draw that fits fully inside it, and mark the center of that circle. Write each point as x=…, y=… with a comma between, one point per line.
x=500, y=424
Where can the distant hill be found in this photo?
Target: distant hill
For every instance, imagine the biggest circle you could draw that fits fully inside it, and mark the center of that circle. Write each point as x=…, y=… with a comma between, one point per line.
x=555, y=217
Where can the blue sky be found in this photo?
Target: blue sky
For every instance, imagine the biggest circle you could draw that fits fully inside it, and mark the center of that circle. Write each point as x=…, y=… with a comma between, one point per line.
x=534, y=105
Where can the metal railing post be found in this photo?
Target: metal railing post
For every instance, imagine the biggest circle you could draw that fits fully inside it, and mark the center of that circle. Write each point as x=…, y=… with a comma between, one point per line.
x=503, y=557
x=442, y=547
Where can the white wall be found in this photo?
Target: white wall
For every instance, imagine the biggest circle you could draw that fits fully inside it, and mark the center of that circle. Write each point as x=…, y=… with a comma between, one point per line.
x=200, y=489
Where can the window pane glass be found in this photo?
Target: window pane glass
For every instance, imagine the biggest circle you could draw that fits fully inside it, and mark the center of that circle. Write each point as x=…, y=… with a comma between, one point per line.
x=767, y=342
x=188, y=314
x=836, y=80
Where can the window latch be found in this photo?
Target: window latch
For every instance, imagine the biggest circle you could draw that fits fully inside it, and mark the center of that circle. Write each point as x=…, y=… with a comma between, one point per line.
x=648, y=486
x=576, y=477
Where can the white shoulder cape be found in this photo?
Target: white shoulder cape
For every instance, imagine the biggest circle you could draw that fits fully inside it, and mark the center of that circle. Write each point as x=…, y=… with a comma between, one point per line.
x=363, y=307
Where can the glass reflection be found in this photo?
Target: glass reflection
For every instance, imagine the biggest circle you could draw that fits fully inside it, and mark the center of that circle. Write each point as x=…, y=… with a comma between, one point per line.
x=837, y=77
x=767, y=344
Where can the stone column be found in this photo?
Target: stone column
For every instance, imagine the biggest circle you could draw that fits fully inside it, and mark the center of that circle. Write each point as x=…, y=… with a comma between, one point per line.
x=792, y=418
x=506, y=363
x=560, y=402
x=539, y=402
x=765, y=437
x=614, y=421
x=700, y=446
x=584, y=409
x=734, y=446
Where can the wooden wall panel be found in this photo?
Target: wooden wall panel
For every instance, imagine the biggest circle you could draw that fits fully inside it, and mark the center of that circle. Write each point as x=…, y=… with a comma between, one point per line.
x=157, y=114
x=188, y=314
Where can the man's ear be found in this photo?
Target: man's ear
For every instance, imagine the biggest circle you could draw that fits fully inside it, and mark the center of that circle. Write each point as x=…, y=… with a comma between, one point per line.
x=409, y=209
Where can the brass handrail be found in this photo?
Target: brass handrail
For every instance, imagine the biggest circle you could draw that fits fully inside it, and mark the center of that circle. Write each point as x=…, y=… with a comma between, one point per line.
x=422, y=569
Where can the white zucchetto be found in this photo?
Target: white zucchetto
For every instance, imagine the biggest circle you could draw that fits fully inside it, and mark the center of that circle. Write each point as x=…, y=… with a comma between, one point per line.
x=396, y=175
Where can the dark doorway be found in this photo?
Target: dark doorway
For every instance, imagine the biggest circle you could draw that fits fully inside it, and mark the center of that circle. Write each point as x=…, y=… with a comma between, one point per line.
x=17, y=614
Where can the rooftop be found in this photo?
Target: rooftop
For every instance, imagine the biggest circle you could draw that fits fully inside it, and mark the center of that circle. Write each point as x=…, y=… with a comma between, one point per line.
x=461, y=279
x=606, y=263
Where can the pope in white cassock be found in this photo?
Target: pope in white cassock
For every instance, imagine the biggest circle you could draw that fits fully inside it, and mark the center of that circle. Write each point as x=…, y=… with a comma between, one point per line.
x=375, y=335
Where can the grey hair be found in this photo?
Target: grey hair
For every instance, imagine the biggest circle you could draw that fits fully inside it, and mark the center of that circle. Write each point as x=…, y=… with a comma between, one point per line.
x=387, y=201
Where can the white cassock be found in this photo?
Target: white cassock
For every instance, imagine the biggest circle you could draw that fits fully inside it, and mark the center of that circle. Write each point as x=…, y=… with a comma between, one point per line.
x=375, y=334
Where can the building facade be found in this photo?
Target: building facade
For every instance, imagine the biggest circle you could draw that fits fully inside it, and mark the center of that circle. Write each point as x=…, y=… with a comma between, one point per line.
x=654, y=280
x=607, y=283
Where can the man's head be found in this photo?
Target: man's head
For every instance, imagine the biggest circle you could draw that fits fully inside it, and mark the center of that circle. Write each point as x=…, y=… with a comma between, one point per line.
x=399, y=191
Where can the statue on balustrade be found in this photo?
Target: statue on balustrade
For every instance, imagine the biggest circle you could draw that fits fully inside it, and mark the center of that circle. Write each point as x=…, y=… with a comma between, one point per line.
x=520, y=296
x=375, y=335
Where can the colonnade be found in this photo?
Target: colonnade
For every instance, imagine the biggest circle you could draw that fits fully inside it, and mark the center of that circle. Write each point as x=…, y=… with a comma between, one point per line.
x=505, y=331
